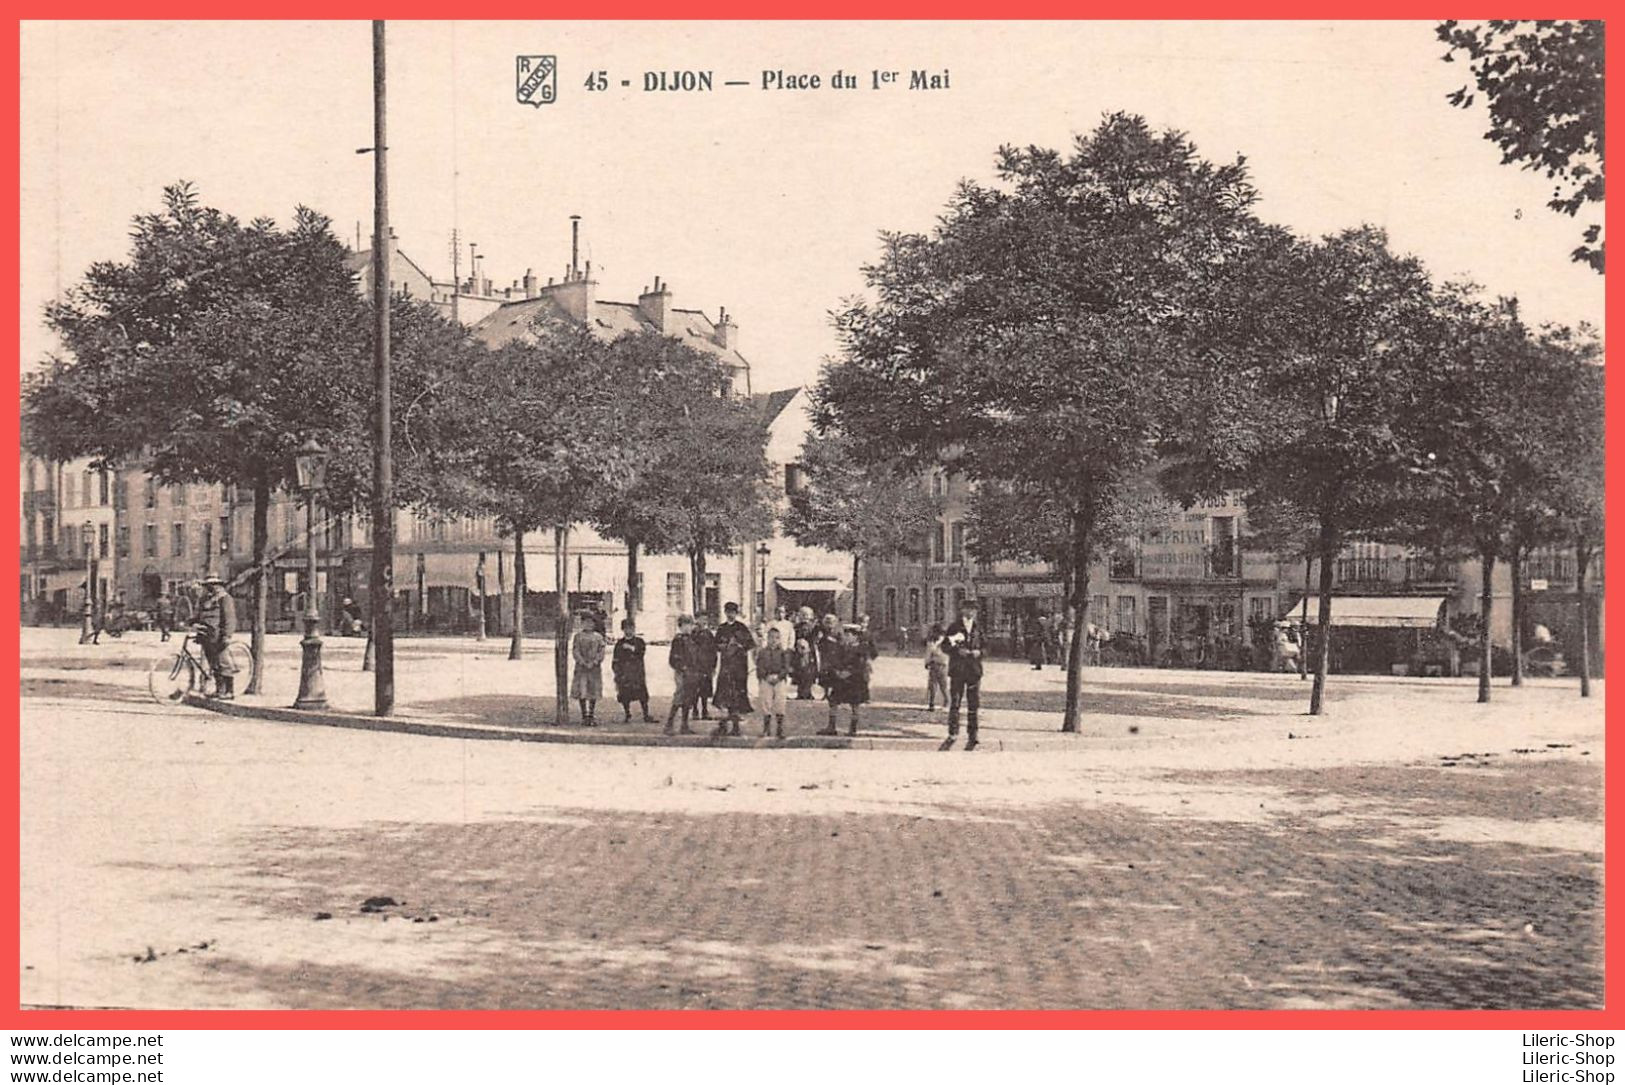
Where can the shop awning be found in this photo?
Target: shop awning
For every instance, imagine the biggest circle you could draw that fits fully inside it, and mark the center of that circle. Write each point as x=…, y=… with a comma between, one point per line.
x=1379, y=612
x=809, y=584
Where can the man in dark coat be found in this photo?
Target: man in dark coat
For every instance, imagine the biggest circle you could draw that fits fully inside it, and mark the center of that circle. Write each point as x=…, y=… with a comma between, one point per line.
x=963, y=644
x=734, y=645
x=216, y=621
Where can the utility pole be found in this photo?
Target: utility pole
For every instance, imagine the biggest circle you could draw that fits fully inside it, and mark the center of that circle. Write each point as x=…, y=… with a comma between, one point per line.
x=456, y=285
x=383, y=511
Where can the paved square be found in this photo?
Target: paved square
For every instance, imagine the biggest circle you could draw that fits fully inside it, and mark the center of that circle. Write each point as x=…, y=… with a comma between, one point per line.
x=1202, y=844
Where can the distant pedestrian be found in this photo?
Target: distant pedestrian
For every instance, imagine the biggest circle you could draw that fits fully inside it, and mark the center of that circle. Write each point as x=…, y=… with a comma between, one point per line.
x=806, y=649
x=587, y=683
x=687, y=660
x=707, y=641
x=964, y=643
x=936, y=669
x=216, y=621
x=786, y=628
x=164, y=612
x=773, y=664
x=626, y=665
x=350, y=623
x=734, y=645
x=1038, y=642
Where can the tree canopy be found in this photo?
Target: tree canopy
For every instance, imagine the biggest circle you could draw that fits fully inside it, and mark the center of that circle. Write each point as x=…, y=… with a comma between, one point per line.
x=1037, y=336
x=1543, y=82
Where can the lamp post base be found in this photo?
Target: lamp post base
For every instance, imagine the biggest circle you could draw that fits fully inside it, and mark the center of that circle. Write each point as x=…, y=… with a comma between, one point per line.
x=87, y=628
x=312, y=687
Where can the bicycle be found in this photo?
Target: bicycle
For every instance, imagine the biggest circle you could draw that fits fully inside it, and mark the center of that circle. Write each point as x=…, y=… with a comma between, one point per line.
x=175, y=674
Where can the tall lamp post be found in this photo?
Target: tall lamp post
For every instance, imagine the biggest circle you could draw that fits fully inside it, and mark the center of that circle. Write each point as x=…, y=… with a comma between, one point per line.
x=310, y=465
x=87, y=628
x=763, y=552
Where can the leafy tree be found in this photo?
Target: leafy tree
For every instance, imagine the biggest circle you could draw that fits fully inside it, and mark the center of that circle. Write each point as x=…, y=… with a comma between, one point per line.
x=710, y=491
x=1488, y=432
x=868, y=511
x=1543, y=82
x=209, y=354
x=1033, y=338
x=530, y=440
x=657, y=412
x=1575, y=452
x=1304, y=420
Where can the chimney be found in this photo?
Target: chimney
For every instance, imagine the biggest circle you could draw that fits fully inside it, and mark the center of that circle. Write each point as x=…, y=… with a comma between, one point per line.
x=726, y=334
x=655, y=305
x=530, y=284
x=575, y=246
x=576, y=297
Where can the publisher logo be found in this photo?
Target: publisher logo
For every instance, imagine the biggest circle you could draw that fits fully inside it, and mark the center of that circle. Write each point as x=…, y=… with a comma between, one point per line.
x=536, y=80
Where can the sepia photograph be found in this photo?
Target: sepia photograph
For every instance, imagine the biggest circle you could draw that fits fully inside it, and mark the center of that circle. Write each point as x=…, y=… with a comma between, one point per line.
x=818, y=516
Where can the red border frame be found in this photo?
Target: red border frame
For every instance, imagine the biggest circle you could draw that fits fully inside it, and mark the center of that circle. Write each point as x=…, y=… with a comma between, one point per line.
x=13, y=1018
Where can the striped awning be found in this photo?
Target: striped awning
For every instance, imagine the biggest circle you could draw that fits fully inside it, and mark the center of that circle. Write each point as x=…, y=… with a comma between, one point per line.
x=1381, y=611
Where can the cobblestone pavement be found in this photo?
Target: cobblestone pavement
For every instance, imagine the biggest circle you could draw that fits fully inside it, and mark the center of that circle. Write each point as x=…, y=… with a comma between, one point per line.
x=1412, y=850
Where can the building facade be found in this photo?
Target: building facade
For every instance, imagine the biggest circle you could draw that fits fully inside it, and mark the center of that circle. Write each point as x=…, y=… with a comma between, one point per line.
x=1190, y=592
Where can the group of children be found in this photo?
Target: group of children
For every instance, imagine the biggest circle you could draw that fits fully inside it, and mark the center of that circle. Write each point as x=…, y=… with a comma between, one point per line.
x=711, y=668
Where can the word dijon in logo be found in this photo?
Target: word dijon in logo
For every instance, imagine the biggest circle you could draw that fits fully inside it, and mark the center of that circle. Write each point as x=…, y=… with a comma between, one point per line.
x=536, y=79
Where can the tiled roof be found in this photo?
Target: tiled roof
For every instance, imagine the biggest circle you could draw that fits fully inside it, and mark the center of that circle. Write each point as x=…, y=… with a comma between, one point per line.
x=513, y=320
x=769, y=405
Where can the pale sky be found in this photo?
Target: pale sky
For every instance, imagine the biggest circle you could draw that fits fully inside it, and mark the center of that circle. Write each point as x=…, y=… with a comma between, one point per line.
x=766, y=202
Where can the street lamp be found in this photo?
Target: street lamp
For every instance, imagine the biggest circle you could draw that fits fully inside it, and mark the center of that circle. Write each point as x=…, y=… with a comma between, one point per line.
x=310, y=466
x=87, y=629
x=763, y=551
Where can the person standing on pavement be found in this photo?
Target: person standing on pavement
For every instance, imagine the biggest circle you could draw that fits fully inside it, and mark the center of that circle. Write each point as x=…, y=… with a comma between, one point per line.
x=707, y=641
x=849, y=677
x=936, y=669
x=963, y=643
x=786, y=628
x=806, y=649
x=587, y=683
x=827, y=646
x=216, y=621
x=626, y=665
x=734, y=645
x=164, y=612
x=773, y=665
x=687, y=661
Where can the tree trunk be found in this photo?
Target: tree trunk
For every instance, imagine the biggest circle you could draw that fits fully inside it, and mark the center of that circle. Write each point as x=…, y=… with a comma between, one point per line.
x=1323, y=622
x=857, y=562
x=696, y=571
x=561, y=621
x=1515, y=566
x=516, y=646
x=1582, y=558
x=1486, y=601
x=502, y=593
x=1303, y=619
x=262, y=594
x=1082, y=532
x=633, y=601
x=479, y=590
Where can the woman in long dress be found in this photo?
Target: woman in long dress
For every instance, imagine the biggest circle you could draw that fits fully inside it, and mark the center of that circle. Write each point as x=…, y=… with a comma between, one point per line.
x=587, y=683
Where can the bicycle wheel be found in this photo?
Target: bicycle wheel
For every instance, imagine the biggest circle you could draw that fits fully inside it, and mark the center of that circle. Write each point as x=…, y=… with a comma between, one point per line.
x=243, y=660
x=172, y=677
